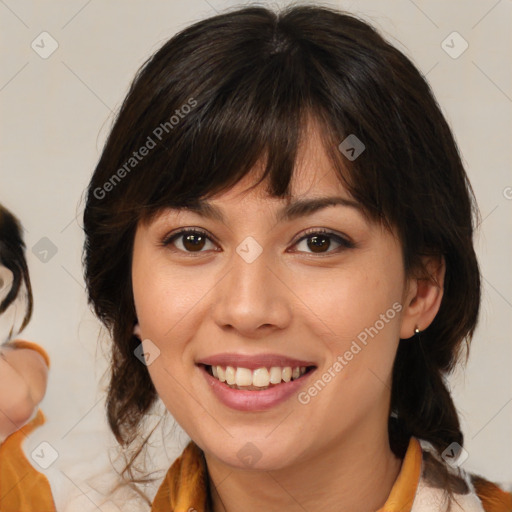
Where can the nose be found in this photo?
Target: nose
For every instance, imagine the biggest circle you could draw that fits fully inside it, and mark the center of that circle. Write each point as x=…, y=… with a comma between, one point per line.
x=252, y=298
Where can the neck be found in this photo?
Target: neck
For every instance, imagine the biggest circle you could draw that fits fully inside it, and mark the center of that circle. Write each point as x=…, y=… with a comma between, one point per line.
x=356, y=473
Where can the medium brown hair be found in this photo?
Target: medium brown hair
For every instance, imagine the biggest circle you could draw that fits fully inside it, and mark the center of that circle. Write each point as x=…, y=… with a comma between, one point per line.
x=251, y=79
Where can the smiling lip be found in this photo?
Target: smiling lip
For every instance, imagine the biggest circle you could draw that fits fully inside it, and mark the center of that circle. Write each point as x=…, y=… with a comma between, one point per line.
x=256, y=400
x=253, y=362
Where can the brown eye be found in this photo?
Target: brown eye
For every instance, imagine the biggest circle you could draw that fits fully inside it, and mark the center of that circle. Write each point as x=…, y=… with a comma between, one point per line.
x=319, y=241
x=193, y=242
x=188, y=241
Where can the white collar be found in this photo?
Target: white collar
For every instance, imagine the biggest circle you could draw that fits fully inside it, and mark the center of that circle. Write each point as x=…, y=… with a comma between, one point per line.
x=431, y=499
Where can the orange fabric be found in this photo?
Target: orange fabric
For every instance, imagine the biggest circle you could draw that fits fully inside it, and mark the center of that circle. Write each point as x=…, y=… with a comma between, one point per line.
x=402, y=494
x=22, y=487
x=184, y=486
x=494, y=499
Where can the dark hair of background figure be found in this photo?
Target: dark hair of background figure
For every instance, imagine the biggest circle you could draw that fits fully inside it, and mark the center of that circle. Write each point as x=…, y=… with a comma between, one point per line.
x=12, y=256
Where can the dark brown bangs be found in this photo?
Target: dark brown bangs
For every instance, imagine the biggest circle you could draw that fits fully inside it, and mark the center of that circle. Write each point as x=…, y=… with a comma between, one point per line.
x=254, y=113
x=212, y=121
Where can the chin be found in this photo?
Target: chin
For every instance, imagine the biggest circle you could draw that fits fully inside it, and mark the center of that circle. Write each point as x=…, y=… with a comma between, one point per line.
x=255, y=454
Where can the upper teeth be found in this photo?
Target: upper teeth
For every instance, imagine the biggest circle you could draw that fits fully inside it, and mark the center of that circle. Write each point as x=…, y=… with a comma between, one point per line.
x=261, y=377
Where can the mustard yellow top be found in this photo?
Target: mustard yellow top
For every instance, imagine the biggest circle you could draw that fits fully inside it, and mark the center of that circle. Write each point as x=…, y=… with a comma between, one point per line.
x=22, y=487
x=184, y=487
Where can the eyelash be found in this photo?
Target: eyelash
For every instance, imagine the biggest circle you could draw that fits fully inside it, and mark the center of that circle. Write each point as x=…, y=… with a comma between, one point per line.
x=344, y=242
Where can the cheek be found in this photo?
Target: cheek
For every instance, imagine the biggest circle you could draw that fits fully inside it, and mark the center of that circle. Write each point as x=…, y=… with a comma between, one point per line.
x=169, y=303
x=360, y=311
x=164, y=311
x=164, y=297
x=359, y=301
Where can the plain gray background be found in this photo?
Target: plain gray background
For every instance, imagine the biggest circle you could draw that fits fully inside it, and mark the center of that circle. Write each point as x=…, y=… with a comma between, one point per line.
x=56, y=113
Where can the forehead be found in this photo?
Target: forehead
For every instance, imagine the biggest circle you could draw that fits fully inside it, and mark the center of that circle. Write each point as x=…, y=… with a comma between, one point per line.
x=314, y=175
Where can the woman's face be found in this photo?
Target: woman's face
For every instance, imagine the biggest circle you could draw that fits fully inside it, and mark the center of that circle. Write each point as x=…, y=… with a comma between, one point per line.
x=259, y=292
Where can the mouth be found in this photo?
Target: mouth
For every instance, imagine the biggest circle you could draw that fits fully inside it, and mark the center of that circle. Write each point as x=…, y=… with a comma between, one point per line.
x=255, y=383
x=258, y=379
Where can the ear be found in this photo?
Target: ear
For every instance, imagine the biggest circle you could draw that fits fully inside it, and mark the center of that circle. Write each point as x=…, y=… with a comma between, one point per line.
x=136, y=330
x=6, y=279
x=422, y=297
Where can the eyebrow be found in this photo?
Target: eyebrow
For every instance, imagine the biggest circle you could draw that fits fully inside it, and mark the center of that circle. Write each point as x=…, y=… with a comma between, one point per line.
x=293, y=210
